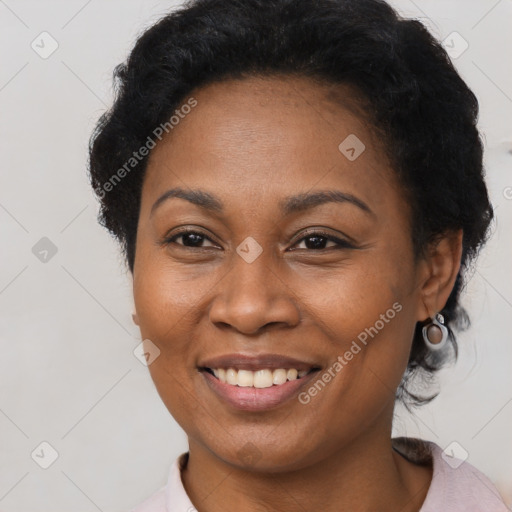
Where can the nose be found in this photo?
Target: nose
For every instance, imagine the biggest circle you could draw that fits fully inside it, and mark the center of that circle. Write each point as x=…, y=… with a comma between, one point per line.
x=253, y=297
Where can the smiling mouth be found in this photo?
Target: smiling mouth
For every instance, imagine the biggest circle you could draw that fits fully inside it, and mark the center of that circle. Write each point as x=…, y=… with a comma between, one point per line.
x=262, y=378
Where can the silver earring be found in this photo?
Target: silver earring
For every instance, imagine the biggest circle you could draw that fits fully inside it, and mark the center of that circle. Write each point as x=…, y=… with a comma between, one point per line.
x=435, y=334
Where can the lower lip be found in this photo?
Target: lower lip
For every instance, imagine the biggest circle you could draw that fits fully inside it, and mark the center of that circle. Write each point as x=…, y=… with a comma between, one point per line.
x=256, y=399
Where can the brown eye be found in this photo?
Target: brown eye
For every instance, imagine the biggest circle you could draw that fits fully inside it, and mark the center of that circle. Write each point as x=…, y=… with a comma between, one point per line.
x=318, y=240
x=188, y=238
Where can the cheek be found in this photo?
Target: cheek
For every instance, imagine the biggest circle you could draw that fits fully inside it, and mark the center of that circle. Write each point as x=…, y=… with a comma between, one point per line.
x=167, y=295
x=366, y=311
x=164, y=307
x=349, y=299
x=167, y=306
x=168, y=316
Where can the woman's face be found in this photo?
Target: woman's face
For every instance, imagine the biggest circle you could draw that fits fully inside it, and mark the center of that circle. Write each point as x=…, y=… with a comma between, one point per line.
x=260, y=275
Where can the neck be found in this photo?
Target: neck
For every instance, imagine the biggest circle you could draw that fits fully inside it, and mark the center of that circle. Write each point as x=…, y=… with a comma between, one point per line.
x=365, y=475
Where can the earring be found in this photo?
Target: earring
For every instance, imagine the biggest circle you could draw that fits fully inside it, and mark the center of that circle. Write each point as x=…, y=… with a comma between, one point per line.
x=435, y=334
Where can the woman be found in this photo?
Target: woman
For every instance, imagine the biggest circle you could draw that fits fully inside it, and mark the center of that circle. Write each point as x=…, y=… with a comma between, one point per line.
x=298, y=188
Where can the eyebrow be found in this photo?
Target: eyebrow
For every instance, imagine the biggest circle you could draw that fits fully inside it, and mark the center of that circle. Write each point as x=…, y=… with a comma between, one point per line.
x=288, y=205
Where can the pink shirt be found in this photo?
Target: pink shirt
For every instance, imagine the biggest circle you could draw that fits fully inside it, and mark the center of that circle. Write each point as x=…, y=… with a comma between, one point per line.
x=455, y=487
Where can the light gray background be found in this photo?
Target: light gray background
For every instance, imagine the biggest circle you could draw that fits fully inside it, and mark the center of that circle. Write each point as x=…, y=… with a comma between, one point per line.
x=68, y=373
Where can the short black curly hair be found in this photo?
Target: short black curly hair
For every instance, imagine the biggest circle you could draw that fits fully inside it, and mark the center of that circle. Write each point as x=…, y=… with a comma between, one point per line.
x=423, y=110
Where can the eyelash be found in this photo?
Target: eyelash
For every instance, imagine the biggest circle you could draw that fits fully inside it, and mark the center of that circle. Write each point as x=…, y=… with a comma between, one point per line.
x=341, y=244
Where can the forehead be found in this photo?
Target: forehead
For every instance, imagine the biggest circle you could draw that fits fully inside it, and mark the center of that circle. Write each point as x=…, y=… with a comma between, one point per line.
x=261, y=136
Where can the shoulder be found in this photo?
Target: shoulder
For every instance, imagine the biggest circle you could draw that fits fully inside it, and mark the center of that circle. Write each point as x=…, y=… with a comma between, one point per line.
x=457, y=486
x=172, y=496
x=155, y=503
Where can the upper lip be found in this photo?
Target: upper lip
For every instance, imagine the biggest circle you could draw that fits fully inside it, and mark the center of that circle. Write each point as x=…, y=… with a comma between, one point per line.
x=256, y=362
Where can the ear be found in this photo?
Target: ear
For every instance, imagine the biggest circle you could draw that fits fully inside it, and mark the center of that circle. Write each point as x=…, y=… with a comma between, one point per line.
x=440, y=268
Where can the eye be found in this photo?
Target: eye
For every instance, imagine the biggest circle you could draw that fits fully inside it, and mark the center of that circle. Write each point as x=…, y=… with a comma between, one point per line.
x=189, y=239
x=314, y=240
x=317, y=240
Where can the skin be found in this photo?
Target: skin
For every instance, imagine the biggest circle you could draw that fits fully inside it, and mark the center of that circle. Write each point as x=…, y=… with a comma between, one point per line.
x=251, y=143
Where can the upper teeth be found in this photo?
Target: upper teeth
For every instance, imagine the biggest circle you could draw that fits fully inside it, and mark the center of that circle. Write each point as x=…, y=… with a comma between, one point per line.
x=258, y=379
